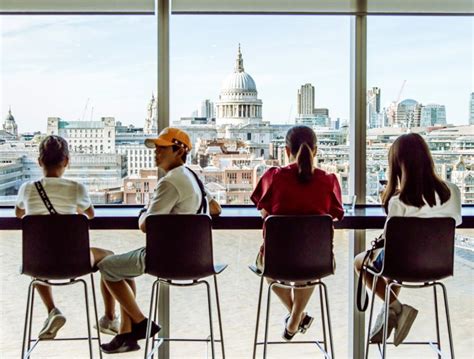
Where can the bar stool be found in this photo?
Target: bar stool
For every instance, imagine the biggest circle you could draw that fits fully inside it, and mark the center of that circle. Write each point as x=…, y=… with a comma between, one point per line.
x=419, y=251
x=297, y=249
x=55, y=253
x=179, y=248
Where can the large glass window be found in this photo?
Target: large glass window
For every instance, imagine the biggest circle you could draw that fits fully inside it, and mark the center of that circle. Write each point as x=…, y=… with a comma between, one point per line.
x=420, y=79
x=90, y=79
x=237, y=90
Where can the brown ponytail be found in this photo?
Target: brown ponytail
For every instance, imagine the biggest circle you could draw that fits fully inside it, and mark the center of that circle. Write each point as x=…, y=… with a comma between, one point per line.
x=304, y=159
x=301, y=140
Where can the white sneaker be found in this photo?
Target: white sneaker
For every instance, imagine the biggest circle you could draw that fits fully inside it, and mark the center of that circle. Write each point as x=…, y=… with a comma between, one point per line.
x=376, y=334
x=405, y=320
x=108, y=326
x=52, y=324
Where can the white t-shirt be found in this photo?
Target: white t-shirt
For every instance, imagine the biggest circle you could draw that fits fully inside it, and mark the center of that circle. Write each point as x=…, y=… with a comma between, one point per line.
x=176, y=193
x=450, y=208
x=65, y=195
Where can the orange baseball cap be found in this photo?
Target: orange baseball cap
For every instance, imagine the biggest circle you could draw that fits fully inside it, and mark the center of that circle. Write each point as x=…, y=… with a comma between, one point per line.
x=170, y=136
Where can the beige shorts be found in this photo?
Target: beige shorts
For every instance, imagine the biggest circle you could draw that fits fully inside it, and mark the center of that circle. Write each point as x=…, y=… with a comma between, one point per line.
x=123, y=266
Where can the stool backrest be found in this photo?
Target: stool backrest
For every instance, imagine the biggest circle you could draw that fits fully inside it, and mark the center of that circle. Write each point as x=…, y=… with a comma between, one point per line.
x=179, y=246
x=419, y=249
x=298, y=248
x=56, y=246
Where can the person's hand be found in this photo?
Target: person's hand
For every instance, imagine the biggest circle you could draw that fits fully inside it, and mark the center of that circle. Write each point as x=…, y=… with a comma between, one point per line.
x=214, y=208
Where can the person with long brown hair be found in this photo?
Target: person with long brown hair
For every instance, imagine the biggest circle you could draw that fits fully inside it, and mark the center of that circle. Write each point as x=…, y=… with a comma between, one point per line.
x=297, y=189
x=413, y=190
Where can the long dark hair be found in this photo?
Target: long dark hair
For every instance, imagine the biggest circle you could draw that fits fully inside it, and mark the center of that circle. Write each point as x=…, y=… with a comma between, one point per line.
x=412, y=174
x=53, y=150
x=301, y=140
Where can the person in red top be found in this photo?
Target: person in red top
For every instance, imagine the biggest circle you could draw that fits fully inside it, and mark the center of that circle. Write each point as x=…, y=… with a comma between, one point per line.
x=298, y=188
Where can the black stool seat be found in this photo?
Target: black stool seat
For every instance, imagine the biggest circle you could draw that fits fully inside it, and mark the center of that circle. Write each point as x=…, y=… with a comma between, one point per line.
x=179, y=248
x=55, y=253
x=419, y=252
x=298, y=254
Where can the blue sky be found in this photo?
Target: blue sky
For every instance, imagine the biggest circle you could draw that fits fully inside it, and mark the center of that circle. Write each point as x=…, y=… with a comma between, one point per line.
x=51, y=66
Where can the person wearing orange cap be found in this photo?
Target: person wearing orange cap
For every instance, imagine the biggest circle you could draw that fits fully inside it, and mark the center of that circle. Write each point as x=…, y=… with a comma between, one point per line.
x=179, y=192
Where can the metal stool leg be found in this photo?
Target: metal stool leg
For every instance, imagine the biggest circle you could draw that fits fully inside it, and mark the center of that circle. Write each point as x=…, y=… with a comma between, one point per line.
x=385, y=326
x=328, y=319
x=219, y=317
x=267, y=318
x=438, y=339
x=323, y=319
x=208, y=287
x=155, y=319
x=448, y=318
x=88, y=317
x=258, y=319
x=27, y=318
x=96, y=314
x=371, y=313
x=148, y=328
x=30, y=326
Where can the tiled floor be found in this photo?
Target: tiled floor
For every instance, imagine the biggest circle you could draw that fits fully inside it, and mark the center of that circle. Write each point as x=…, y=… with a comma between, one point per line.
x=238, y=291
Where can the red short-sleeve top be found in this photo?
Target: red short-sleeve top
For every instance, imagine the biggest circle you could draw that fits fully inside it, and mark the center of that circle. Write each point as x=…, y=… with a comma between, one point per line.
x=280, y=192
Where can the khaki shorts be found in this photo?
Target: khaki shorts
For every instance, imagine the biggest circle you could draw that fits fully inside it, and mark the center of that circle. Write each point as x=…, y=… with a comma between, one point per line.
x=123, y=266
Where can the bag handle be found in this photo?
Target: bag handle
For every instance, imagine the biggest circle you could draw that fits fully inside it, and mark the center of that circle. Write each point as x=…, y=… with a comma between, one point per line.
x=45, y=198
x=376, y=244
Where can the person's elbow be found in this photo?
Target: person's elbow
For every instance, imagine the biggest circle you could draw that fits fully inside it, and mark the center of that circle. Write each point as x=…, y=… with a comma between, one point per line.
x=142, y=223
x=19, y=212
x=90, y=212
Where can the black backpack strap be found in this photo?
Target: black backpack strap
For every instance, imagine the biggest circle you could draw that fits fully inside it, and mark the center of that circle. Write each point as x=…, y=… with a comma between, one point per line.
x=203, y=206
x=45, y=198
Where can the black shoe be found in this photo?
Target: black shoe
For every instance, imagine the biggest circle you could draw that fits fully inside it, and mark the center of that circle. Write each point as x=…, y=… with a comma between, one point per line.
x=288, y=336
x=139, y=329
x=121, y=343
x=305, y=323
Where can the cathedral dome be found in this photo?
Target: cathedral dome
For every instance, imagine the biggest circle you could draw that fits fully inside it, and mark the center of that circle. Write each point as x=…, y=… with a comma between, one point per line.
x=9, y=117
x=239, y=80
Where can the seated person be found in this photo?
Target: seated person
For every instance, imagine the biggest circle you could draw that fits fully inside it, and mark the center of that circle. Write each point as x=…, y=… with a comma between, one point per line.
x=67, y=197
x=178, y=192
x=298, y=188
x=413, y=190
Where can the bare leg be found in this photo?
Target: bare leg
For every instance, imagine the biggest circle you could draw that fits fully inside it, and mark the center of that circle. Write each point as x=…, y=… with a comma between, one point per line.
x=284, y=294
x=381, y=283
x=97, y=254
x=123, y=293
x=125, y=320
x=301, y=299
x=46, y=294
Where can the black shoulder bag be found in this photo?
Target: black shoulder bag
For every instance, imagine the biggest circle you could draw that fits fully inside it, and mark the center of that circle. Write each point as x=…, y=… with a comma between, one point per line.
x=203, y=207
x=377, y=243
x=45, y=198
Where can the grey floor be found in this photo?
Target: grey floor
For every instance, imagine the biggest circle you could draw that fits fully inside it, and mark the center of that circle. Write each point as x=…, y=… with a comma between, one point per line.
x=238, y=290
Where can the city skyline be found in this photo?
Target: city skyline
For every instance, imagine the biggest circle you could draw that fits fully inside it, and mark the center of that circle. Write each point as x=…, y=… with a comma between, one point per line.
x=117, y=82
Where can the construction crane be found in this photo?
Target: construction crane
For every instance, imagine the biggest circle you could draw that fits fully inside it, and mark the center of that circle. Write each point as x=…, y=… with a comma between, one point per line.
x=400, y=92
x=392, y=110
x=85, y=109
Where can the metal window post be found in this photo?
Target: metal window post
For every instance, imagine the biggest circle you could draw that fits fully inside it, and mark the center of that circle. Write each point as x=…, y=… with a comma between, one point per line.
x=162, y=13
x=357, y=178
